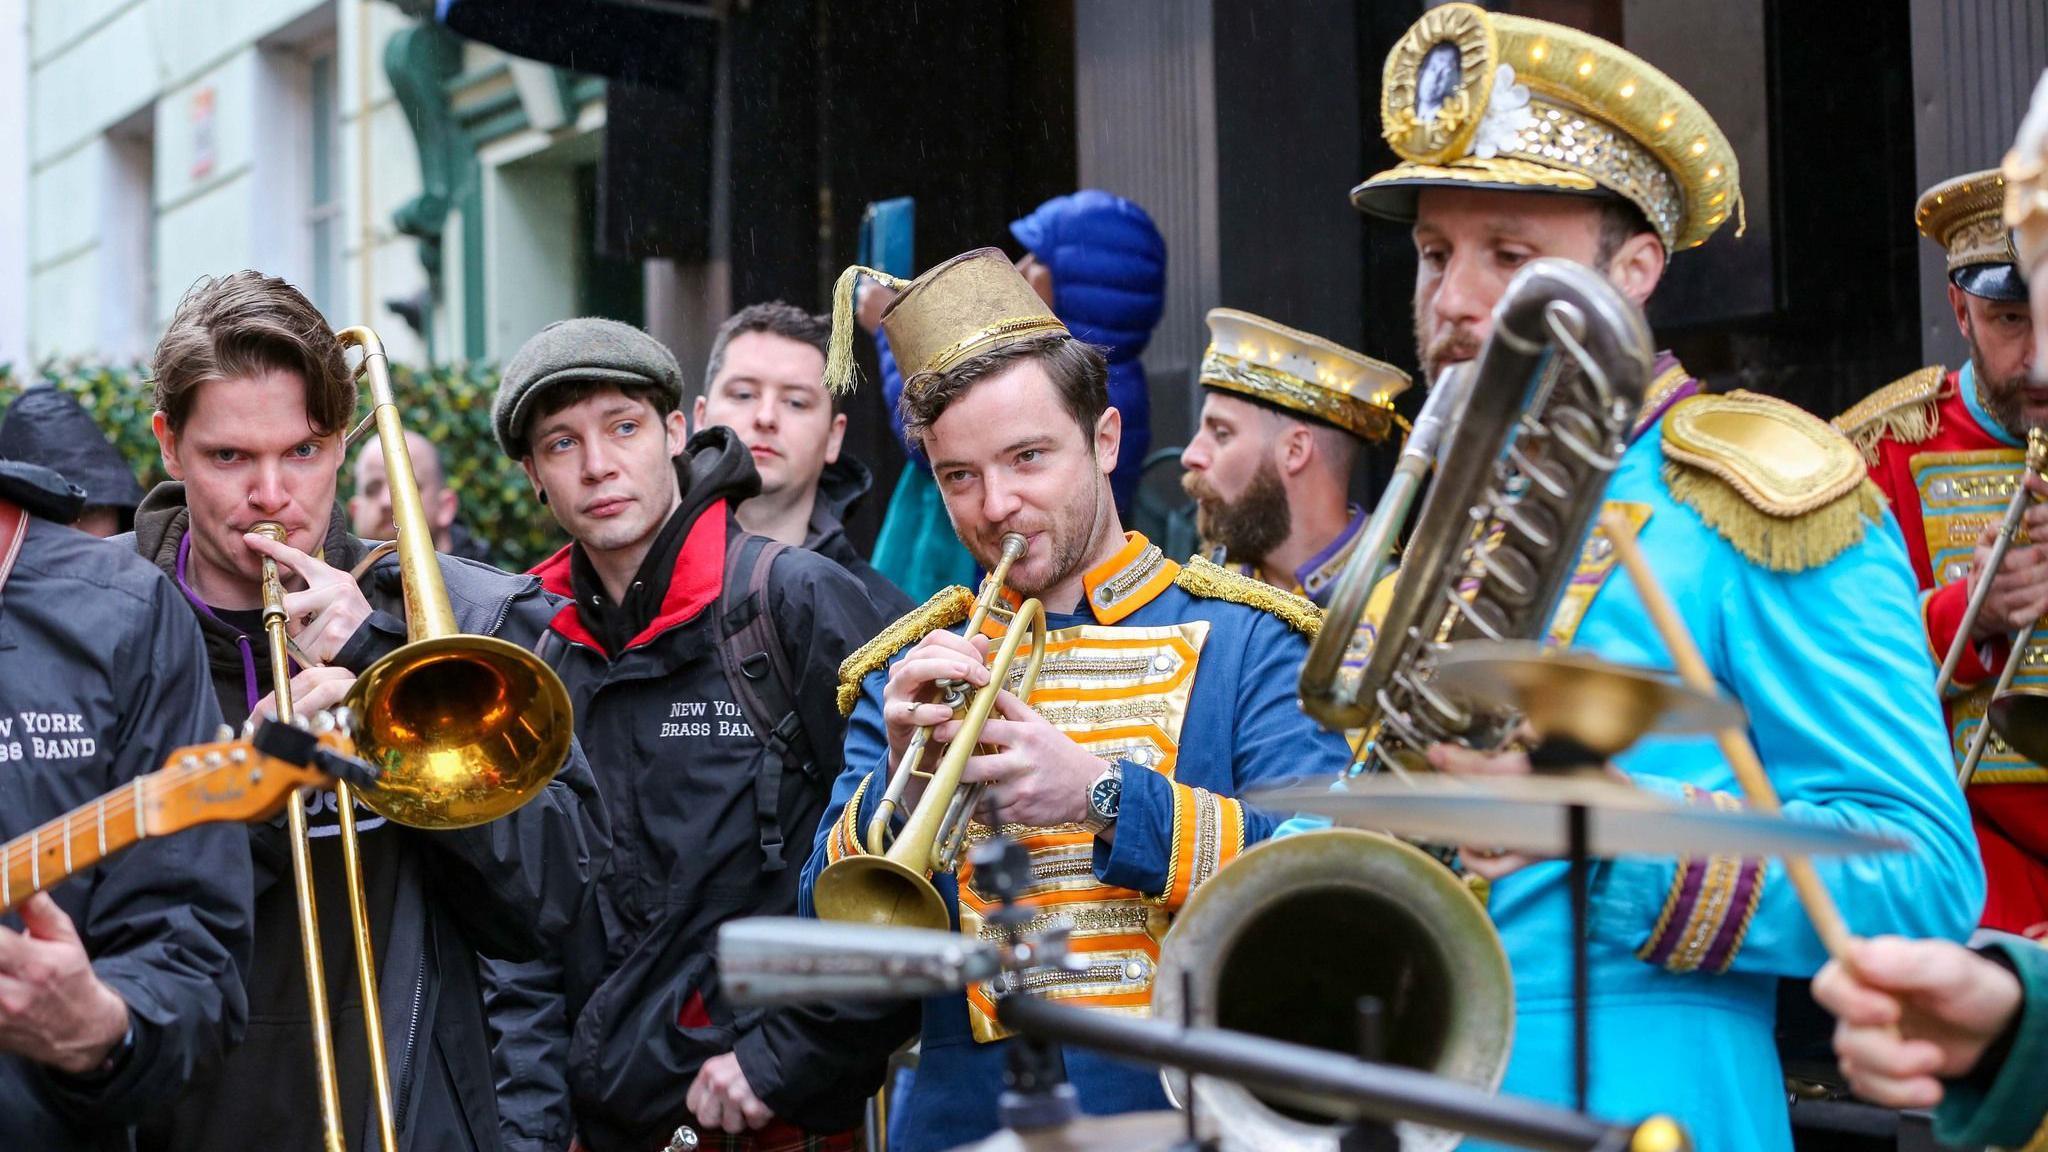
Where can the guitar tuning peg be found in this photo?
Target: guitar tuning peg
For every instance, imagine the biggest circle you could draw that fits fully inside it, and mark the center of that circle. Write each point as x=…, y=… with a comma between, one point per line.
x=249, y=725
x=224, y=734
x=323, y=722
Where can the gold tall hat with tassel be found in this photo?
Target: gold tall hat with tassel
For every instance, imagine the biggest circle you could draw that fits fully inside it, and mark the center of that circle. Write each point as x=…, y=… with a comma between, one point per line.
x=972, y=304
x=1478, y=99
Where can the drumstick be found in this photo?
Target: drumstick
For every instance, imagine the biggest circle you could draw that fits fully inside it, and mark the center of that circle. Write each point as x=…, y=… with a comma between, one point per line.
x=1735, y=746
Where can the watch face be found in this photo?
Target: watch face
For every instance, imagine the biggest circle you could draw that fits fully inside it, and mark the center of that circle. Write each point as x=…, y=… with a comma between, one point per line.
x=1104, y=797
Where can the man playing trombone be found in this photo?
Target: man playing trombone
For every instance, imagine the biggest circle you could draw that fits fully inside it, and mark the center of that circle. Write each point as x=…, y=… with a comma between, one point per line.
x=253, y=395
x=1947, y=448
x=1165, y=691
x=1555, y=143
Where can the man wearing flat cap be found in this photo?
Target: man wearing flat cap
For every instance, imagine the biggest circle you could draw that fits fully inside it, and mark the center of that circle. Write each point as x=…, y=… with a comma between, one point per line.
x=1947, y=445
x=700, y=659
x=1759, y=522
x=1284, y=414
x=1167, y=689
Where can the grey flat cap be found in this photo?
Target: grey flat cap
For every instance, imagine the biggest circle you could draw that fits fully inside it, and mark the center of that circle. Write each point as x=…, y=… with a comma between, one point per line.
x=587, y=350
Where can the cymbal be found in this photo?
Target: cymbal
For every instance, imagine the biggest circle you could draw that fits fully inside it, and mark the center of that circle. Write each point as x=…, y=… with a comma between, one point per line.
x=1529, y=814
x=1131, y=1132
x=1604, y=706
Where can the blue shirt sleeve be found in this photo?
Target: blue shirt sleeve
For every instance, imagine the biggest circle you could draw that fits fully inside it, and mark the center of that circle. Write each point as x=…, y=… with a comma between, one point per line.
x=1271, y=740
x=1832, y=667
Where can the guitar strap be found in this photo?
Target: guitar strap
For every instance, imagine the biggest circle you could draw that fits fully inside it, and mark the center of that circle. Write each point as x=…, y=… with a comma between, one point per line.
x=13, y=530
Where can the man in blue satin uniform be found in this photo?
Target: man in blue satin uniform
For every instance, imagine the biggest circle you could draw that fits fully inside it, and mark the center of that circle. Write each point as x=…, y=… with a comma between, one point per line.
x=1167, y=689
x=1782, y=562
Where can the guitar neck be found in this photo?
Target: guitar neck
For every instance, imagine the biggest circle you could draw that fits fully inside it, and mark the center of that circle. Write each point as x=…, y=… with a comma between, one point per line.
x=78, y=839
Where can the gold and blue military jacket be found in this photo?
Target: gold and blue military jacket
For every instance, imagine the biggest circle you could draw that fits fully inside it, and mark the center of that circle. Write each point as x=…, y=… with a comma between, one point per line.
x=1809, y=618
x=1185, y=675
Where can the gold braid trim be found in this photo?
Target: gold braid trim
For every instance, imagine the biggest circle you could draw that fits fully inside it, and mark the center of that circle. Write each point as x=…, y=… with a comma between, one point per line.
x=1907, y=410
x=1212, y=581
x=1779, y=543
x=947, y=607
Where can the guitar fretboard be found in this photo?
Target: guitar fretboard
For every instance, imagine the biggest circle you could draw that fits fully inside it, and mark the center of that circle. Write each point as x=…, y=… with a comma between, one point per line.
x=78, y=839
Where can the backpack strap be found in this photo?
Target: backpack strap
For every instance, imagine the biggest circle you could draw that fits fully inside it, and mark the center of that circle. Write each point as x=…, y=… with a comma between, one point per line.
x=751, y=654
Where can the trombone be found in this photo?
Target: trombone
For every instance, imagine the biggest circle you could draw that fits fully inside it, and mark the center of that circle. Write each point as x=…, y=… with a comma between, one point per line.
x=462, y=728
x=2015, y=714
x=892, y=888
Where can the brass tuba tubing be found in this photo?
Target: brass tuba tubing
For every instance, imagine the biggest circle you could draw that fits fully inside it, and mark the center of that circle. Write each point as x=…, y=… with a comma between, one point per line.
x=1324, y=693
x=895, y=887
x=1552, y=398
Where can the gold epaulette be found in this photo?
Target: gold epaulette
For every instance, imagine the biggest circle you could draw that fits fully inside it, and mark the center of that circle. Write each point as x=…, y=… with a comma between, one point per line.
x=1787, y=489
x=1208, y=579
x=1907, y=410
x=947, y=607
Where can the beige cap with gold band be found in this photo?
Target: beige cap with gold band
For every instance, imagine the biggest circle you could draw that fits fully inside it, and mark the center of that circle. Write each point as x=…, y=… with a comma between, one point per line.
x=1301, y=373
x=1474, y=98
x=1965, y=215
x=972, y=304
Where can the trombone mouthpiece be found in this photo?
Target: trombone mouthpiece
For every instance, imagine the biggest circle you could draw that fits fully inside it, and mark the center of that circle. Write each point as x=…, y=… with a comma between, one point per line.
x=268, y=529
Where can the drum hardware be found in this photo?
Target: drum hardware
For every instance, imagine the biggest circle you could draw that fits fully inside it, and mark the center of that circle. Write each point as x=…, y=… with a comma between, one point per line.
x=1331, y=1083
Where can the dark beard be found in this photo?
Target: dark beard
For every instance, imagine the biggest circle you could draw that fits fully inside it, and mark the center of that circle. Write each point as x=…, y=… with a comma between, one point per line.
x=1252, y=526
x=2001, y=398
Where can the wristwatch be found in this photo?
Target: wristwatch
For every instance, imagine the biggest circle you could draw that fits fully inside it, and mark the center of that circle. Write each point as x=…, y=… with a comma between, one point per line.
x=1105, y=796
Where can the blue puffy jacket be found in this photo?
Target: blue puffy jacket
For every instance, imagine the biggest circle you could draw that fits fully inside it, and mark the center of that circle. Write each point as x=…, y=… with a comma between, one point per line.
x=1108, y=265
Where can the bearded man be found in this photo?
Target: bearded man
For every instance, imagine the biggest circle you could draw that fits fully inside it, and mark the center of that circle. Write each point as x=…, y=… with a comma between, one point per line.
x=1283, y=418
x=1946, y=446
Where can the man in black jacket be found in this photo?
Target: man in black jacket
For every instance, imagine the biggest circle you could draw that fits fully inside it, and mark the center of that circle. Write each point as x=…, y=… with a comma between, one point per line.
x=766, y=381
x=119, y=984
x=711, y=815
x=252, y=397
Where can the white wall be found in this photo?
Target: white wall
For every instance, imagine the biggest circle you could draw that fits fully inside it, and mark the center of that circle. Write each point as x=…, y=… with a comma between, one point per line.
x=222, y=190
x=13, y=181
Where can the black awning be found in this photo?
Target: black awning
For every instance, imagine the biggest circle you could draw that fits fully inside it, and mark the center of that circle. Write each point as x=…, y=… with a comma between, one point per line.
x=658, y=43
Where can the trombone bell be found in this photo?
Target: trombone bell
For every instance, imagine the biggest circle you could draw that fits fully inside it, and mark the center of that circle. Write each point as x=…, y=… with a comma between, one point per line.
x=468, y=728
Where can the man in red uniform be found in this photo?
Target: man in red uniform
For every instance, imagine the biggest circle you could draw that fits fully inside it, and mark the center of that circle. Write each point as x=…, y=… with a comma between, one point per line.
x=1946, y=447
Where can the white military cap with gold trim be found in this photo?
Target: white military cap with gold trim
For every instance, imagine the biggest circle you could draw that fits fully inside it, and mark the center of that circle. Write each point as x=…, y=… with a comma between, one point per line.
x=1302, y=373
x=1965, y=215
x=1479, y=99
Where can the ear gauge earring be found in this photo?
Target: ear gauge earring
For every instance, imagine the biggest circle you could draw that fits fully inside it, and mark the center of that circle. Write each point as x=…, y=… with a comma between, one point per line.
x=543, y=497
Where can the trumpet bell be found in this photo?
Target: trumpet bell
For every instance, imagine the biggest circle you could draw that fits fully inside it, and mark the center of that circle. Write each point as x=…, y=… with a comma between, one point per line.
x=463, y=728
x=1285, y=942
x=878, y=890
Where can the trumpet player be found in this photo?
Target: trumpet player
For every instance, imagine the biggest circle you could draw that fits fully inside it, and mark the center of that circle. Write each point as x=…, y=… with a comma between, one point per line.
x=1167, y=689
x=1946, y=446
x=1550, y=142
x=253, y=396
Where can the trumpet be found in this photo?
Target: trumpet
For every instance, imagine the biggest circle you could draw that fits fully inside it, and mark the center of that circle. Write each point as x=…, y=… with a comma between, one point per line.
x=892, y=887
x=2018, y=715
x=462, y=729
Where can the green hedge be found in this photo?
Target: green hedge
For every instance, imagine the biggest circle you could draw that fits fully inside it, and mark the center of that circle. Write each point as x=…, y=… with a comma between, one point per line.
x=451, y=407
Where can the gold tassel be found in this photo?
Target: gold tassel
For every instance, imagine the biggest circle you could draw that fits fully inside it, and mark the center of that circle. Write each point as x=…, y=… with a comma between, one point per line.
x=1911, y=424
x=947, y=607
x=1779, y=543
x=841, y=374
